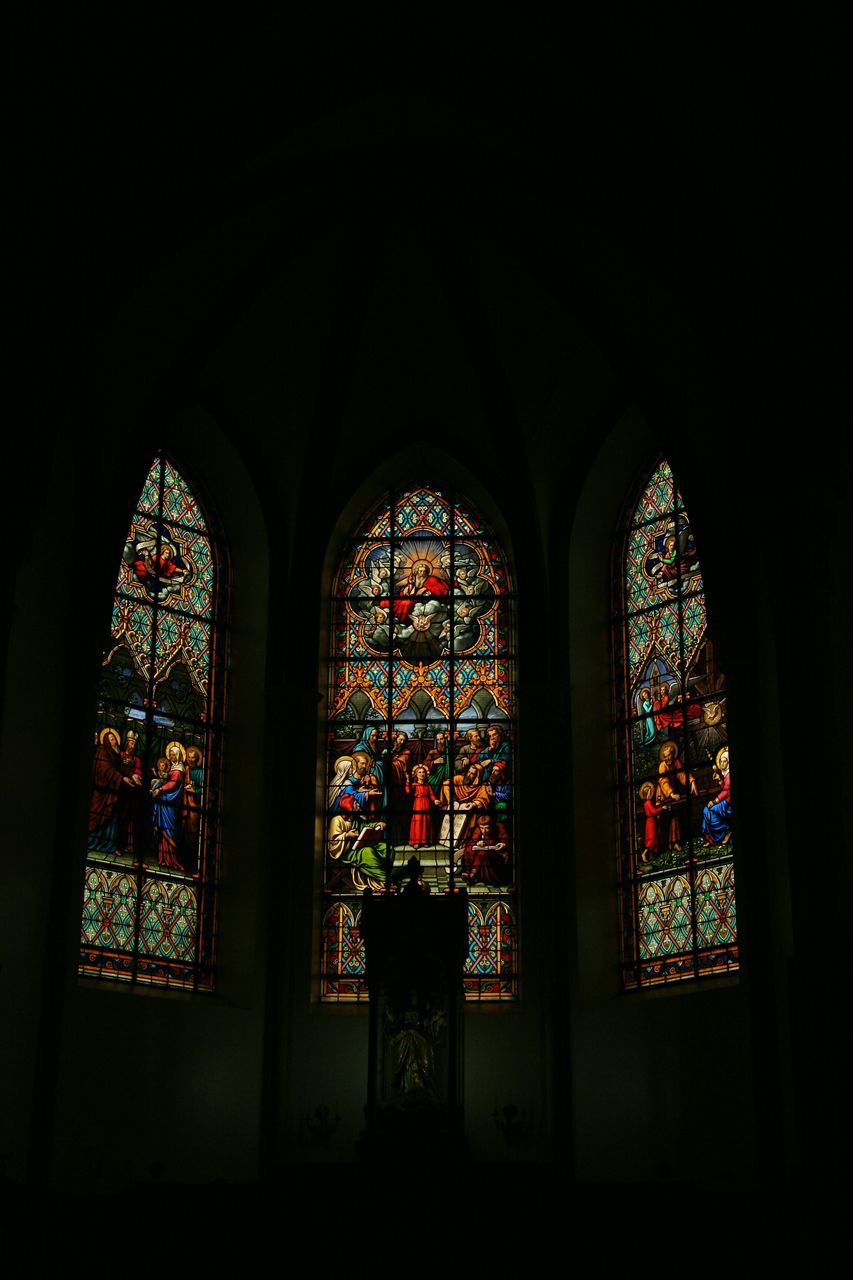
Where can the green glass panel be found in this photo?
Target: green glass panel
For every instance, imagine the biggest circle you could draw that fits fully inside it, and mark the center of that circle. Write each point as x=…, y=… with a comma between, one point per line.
x=421, y=509
x=179, y=505
x=149, y=502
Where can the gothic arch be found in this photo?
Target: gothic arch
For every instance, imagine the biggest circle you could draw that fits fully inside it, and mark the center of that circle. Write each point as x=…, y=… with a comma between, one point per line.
x=639, y=1031
x=149, y=901
x=218, y=470
x=673, y=792
x=407, y=739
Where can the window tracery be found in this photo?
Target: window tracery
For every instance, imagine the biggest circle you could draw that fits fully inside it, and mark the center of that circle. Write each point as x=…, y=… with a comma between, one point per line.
x=151, y=857
x=420, y=747
x=677, y=891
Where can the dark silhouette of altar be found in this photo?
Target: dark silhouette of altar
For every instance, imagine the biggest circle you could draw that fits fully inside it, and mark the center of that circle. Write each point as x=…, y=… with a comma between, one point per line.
x=416, y=946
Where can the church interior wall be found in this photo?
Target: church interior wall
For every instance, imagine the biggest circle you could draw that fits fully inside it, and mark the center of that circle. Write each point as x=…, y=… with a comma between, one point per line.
x=264, y=1053
x=650, y=1069
x=144, y=1084
x=530, y=308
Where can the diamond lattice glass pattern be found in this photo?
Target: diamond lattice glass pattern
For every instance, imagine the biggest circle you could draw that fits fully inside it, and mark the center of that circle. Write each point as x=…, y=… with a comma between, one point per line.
x=421, y=731
x=152, y=843
x=675, y=812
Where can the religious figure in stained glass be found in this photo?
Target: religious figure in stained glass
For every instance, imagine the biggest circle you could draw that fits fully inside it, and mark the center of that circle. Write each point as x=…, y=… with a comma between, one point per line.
x=675, y=811
x=151, y=847
x=421, y=723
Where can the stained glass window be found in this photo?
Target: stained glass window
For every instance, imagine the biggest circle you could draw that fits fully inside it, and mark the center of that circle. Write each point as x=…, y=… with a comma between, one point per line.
x=421, y=732
x=151, y=859
x=677, y=890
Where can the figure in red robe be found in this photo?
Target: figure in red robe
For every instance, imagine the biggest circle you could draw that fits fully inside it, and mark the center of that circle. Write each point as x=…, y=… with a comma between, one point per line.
x=421, y=826
x=485, y=858
x=157, y=566
x=421, y=584
x=652, y=843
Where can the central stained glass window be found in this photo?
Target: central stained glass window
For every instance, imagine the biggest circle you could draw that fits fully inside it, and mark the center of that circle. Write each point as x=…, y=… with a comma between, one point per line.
x=421, y=732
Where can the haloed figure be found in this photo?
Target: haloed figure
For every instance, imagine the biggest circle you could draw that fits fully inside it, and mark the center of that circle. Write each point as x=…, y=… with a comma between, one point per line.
x=132, y=812
x=652, y=843
x=717, y=817
x=420, y=828
x=675, y=784
x=351, y=837
x=108, y=781
x=193, y=795
x=168, y=796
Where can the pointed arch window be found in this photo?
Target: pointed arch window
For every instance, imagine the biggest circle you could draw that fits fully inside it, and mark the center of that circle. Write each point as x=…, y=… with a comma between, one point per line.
x=421, y=731
x=677, y=891
x=152, y=843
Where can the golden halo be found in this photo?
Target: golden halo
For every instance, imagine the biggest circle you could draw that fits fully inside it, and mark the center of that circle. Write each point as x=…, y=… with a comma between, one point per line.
x=181, y=749
x=723, y=751
x=102, y=736
x=426, y=551
x=663, y=747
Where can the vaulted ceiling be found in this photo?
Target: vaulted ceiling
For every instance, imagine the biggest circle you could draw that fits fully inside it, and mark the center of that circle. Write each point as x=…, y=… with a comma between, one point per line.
x=486, y=225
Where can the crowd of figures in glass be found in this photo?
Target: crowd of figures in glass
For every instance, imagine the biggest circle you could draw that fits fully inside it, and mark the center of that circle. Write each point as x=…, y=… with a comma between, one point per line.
x=420, y=757
x=677, y=877
x=150, y=866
